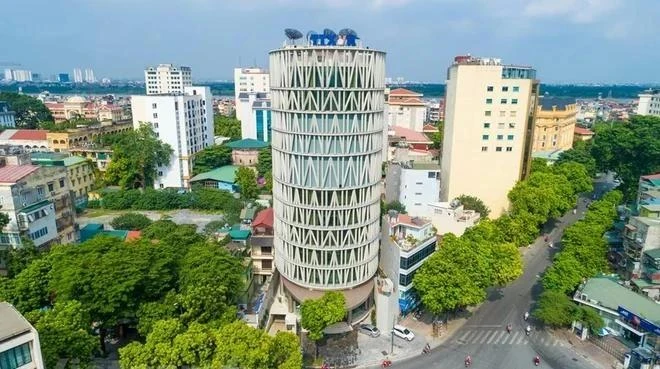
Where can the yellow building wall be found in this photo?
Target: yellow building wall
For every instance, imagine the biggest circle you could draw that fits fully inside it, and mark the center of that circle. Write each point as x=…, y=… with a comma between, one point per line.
x=554, y=129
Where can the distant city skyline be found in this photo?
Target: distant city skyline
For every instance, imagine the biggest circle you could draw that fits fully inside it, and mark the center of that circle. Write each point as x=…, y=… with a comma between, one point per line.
x=582, y=41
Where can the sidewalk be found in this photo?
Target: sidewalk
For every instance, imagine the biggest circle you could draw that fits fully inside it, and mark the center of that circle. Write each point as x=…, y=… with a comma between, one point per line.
x=587, y=350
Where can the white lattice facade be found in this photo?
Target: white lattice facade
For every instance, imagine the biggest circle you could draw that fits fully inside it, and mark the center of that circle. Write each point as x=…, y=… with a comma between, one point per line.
x=327, y=122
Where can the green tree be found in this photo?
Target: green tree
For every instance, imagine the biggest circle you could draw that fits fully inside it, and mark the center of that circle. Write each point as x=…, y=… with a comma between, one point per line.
x=213, y=226
x=131, y=222
x=20, y=257
x=563, y=275
x=630, y=150
x=29, y=112
x=436, y=138
x=395, y=205
x=29, y=289
x=540, y=165
x=227, y=127
x=136, y=157
x=521, y=229
x=242, y=346
x=269, y=181
x=506, y=265
x=577, y=176
x=580, y=153
x=474, y=203
x=590, y=317
x=64, y=332
x=555, y=309
x=247, y=183
x=152, y=311
x=211, y=158
x=265, y=161
x=316, y=315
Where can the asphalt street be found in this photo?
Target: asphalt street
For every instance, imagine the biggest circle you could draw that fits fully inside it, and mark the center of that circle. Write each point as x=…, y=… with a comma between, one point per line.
x=484, y=335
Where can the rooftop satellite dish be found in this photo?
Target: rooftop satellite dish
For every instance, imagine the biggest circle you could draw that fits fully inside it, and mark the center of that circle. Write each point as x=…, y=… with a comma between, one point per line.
x=309, y=34
x=329, y=33
x=351, y=33
x=344, y=32
x=293, y=34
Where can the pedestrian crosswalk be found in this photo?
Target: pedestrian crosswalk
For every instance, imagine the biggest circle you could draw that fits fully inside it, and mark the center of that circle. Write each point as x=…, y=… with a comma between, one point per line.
x=502, y=337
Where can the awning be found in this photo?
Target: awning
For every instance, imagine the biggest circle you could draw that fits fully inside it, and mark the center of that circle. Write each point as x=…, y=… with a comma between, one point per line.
x=338, y=328
x=628, y=327
x=354, y=296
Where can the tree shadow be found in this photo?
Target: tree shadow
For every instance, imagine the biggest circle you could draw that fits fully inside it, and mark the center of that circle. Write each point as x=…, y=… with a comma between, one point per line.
x=494, y=294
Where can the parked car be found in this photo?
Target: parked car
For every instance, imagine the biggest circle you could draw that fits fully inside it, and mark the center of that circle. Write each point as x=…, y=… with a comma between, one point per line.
x=403, y=332
x=369, y=330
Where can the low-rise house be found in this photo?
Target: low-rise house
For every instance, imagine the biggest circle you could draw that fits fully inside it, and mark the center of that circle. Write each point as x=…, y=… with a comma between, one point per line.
x=632, y=317
x=28, y=139
x=641, y=234
x=261, y=244
x=405, y=243
x=80, y=174
x=19, y=341
x=583, y=134
x=451, y=217
x=649, y=281
x=223, y=178
x=413, y=184
x=245, y=152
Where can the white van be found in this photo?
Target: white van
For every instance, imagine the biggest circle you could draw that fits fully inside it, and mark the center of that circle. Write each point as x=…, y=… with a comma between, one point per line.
x=403, y=332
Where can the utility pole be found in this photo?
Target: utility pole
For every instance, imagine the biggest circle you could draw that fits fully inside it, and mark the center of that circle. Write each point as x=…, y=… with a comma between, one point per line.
x=392, y=344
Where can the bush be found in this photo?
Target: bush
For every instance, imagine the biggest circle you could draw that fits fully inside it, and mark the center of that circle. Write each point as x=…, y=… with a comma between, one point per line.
x=131, y=222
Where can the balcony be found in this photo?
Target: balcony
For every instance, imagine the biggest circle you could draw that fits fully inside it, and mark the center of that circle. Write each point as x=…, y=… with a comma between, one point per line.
x=409, y=242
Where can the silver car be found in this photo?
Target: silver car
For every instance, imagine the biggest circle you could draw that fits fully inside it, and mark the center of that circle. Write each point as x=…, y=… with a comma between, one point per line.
x=369, y=330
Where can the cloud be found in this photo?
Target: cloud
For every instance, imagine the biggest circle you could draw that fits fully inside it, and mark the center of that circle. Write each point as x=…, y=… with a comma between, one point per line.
x=577, y=11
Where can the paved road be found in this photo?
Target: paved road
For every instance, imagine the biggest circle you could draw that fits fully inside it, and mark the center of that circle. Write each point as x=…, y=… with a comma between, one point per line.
x=484, y=335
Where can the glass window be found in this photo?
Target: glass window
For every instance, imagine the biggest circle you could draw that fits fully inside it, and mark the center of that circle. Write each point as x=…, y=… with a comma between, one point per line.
x=489, y=101
x=51, y=187
x=514, y=101
x=516, y=88
x=505, y=88
x=509, y=148
x=498, y=149
x=16, y=357
x=502, y=113
x=409, y=262
x=512, y=113
x=61, y=182
x=509, y=137
x=486, y=125
x=488, y=112
x=484, y=137
x=512, y=125
x=500, y=137
x=502, y=101
x=489, y=88
x=500, y=125
x=484, y=148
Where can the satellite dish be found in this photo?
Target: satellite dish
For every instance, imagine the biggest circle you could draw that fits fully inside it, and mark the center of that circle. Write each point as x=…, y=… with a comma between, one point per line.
x=293, y=34
x=309, y=35
x=351, y=33
x=344, y=32
x=329, y=33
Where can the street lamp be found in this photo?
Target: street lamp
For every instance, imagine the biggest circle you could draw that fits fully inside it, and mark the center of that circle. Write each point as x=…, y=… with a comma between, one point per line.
x=392, y=344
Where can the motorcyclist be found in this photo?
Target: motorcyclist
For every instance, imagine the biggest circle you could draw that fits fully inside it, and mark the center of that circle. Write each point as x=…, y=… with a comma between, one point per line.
x=537, y=360
x=468, y=360
x=508, y=328
x=528, y=330
x=526, y=316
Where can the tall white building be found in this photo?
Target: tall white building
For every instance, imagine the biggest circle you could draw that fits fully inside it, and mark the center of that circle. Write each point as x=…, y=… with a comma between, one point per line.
x=649, y=103
x=185, y=122
x=254, y=109
x=8, y=76
x=327, y=155
x=489, y=119
x=248, y=81
x=89, y=76
x=167, y=79
x=414, y=185
x=77, y=75
x=19, y=341
x=18, y=75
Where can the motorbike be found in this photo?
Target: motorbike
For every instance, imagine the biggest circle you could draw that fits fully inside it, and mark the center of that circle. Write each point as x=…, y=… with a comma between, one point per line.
x=426, y=349
x=468, y=362
x=528, y=330
x=386, y=363
x=537, y=361
x=526, y=316
x=508, y=328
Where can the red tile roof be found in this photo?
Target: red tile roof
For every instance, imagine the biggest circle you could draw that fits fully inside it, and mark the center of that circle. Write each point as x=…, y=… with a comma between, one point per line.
x=14, y=173
x=430, y=128
x=403, y=92
x=410, y=135
x=30, y=134
x=264, y=217
x=133, y=235
x=583, y=131
x=652, y=176
x=409, y=221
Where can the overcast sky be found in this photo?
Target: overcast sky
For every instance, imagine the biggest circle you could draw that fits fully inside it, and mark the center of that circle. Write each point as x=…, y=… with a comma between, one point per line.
x=600, y=41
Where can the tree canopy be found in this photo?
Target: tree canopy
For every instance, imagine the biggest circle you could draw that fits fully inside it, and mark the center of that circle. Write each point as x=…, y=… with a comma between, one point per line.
x=136, y=156
x=318, y=314
x=29, y=111
x=211, y=158
x=130, y=222
x=474, y=203
x=265, y=161
x=246, y=180
x=630, y=149
x=227, y=127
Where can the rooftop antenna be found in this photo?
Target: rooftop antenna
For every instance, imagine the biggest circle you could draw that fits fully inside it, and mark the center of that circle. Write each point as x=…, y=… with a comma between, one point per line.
x=293, y=34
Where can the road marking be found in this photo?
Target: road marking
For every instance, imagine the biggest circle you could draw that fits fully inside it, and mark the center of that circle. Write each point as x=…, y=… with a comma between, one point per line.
x=465, y=336
x=485, y=326
x=499, y=337
x=511, y=338
x=484, y=337
x=491, y=338
x=520, y=339
x=477, y=337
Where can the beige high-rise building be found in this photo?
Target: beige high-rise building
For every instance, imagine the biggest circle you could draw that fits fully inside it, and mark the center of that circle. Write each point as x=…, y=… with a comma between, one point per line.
x=489, y=120
x=554, y=125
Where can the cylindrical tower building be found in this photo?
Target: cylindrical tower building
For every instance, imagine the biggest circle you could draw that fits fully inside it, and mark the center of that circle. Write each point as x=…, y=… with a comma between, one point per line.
x=327, y=123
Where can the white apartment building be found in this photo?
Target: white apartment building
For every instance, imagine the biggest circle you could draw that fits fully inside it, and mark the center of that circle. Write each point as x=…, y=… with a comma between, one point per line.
x=7, y=117
x=649, y=103
x=451, y=217
x=18, y=75
x=254, y=109
x=489, y=112
x=406, y=242
x=248, y=81
x=405, y=108
x=414, y=185
x=89, y=76
x=185, y=122
x=77, y=75
x=19, y=341
x=167, y=79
